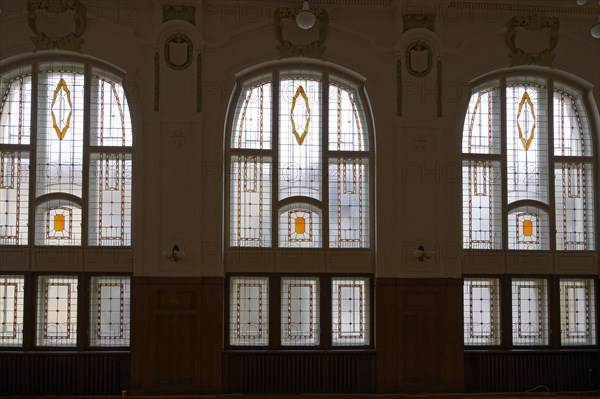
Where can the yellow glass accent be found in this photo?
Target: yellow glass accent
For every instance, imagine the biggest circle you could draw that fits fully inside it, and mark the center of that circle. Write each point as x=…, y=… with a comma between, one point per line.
x=526, y=142
x=527, y=228
x=300, y=138
x=62, y=85
x=59, y=222
x=300, y=225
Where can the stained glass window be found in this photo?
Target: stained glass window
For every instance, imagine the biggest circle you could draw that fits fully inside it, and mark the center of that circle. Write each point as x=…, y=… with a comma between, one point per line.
x=81, y=148
x=530, y=312
x=12, y=290
x=536, y=164
x=249, y=311
x=291, y=149
x=110, y=299
x=577, y=311
x=350, y=311
x=481, y=311
x=300, y=325
x=57, y=311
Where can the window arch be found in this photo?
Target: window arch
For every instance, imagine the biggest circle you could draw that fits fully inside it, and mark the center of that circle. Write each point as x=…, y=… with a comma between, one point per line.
x=527, y=167
x=66, y=156
x=300, y=162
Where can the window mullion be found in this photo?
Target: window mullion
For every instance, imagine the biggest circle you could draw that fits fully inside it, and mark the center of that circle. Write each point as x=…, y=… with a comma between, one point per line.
x=325, y=161
x=33, y=166
x=503, y=167
x=551, y=168
x=275, y=161
x=86, y=157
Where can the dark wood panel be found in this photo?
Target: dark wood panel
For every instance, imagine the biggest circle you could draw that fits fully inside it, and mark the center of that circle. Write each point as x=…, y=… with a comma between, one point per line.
x=419, y=335
x=177, y=339
x=36, y=373
x=518, y=371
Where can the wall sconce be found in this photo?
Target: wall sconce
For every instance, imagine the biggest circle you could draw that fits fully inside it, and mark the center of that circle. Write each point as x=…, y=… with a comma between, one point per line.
x=306, y=18
x=175, y=254
x=420, y=254
x=596, y=28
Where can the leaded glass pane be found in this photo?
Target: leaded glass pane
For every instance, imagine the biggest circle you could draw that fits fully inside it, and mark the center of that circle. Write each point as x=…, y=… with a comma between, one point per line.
x=574, y=201
x=252, y=123
x=481, y=311
x=571, y=127
x=251, y=195
x=110, y=122
x=110, y=199
x=527, y=140
x=528, y=229
x=300, y=141
x=530, y=312
x=60, y=129
x=350, y=311
x=15, y=108
x=481, y=131
x=12, y=290
x=249, y=311
x=347, y=125
x=110, y=299
x=577, y=311
x=58, y=222
x=300, y=226
x=348, y=203
x=300, y=311
x=482, y=220
x=14, y=197
x=56, y=311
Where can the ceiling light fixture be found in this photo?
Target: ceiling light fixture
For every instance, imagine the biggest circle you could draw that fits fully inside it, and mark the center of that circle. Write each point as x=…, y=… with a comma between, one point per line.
x=306, y=18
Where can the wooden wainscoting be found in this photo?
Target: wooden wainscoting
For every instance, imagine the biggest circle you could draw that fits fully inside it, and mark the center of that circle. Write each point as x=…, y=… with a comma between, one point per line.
x=299, y=371
x=521, y=371
x=177, y=335
x=419, y=338
x=63, y=373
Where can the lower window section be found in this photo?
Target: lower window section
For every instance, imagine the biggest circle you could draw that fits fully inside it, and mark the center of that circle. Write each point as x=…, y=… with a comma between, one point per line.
x=57, y=311
x=532, y=306
x=302, y=311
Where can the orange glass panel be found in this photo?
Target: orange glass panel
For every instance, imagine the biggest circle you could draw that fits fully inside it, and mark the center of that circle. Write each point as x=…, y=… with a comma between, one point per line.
x=300, y=225
x=527, y=228
x=59, y=222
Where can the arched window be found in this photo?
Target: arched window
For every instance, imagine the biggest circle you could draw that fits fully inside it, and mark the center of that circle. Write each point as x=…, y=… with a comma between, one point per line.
x=300, y=161
x=66, y=156
x=527, y=167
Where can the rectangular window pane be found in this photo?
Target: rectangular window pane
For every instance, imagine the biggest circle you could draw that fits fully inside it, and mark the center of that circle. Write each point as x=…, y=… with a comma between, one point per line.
x=348, y=203
x=350, y=311
x=110, y=299
x=14, y=197
x=529, y=312
x=300, y=147
x=481, y=311
x=574, y=206
x=250, y=201
x=110, y=199
x=56, y=311
x=577, y=312
x=482, y=217
x=60, y=129
x=527, y=140
x=11, y=310
x=249, y=311
x=300, y=311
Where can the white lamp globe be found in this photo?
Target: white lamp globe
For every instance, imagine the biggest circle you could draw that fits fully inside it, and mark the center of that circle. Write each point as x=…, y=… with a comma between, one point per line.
x=306, y=18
